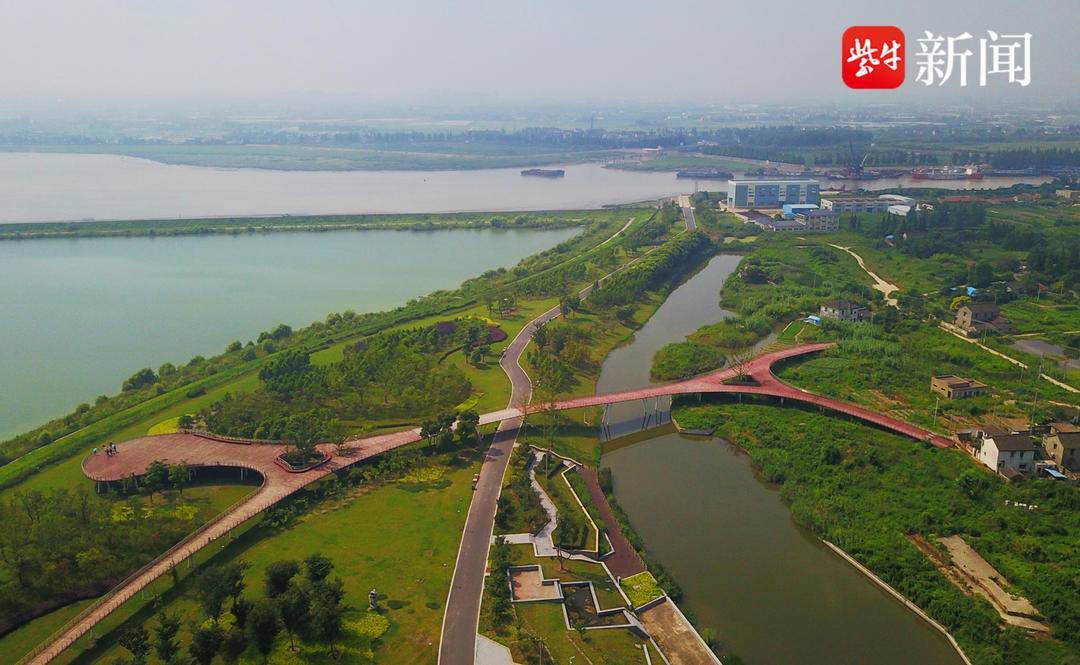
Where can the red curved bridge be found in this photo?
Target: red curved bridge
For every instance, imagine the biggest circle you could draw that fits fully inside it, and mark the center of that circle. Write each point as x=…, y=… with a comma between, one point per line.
x=199, y=451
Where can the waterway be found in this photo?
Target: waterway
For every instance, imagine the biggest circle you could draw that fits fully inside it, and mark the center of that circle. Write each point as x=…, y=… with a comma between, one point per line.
x=37, y=187
x=81, y=315
x=775, y=594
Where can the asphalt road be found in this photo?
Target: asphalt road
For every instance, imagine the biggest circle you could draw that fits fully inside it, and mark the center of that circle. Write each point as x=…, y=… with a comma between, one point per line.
x=688, y=213
x=457, y=645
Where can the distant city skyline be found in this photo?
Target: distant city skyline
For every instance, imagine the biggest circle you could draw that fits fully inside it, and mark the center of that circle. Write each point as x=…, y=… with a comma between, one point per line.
x=487, y=51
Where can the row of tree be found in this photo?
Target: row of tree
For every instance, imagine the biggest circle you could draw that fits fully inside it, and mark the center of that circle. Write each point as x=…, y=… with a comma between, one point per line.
x=309, y=606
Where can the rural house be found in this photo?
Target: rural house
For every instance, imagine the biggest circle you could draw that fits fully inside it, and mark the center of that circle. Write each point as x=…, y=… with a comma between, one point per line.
x=979, y=317
x=844, y=310
x=1064, y=447
x=1015, y=452
x=955, y=387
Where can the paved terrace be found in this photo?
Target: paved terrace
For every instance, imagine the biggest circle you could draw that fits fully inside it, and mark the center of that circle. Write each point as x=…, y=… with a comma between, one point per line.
x=134, y=456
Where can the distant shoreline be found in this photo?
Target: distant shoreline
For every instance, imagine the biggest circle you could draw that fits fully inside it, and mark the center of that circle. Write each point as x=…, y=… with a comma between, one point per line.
x=235, y=225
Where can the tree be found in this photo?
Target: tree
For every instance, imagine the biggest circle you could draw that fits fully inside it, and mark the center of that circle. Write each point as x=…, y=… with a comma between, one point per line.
x=186, y=421
x=279, y=575
x=540, y=337
x=137, y=641
x=294, y=608
x=165, y=645
x=205, y=642
x=317, y=567
x=218, y=583
x=240, y=609
x=233, y=645
x=468, y=427
x=144, y=377
x=263, y=626
x=303, y=431
x=178, y=476
x=156, y=477
x=327, y=611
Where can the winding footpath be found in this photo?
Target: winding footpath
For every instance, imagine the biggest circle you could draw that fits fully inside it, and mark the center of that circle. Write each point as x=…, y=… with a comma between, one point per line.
x=879, y=284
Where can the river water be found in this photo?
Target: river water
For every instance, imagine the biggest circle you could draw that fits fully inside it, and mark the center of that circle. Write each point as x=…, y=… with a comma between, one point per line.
x=37, y=187
x=775, y=594
x=80, y=315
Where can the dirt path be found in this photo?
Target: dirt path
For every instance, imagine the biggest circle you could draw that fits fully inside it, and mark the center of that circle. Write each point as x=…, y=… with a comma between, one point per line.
x=886, y=288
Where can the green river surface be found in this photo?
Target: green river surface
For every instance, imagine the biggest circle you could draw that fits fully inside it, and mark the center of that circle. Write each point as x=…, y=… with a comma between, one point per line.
x=81, y=315
x=773, y=592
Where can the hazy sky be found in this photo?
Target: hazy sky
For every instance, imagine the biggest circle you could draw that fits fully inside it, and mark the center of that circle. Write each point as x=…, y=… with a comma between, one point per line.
x=587, y=50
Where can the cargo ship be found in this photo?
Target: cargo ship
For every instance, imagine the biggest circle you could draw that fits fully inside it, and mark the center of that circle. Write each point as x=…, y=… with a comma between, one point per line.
x=947, y=173
x=705, y=174
x=544, y=173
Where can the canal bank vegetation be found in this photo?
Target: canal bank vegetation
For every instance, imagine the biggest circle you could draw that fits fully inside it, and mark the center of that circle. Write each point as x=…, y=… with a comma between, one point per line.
x=867, y=491
x=151, y=228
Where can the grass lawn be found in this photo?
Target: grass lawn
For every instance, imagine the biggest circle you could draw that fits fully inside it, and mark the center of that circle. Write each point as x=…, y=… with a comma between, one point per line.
x=400, y=538
x=641, y=588
x=545, y=619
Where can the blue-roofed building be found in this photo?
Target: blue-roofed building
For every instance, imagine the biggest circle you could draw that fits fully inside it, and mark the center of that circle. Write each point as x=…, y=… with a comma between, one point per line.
x=772, y=193
x=792, y=209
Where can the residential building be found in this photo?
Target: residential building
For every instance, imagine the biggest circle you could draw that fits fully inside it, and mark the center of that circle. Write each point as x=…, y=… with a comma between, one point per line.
x=1064, y=448
x=899, y=209
x=1010, y=452
x=844, y=310
x=1070, y=194
x=981, y=317
x=771, y=193
x=855, y=205
x=955, y=387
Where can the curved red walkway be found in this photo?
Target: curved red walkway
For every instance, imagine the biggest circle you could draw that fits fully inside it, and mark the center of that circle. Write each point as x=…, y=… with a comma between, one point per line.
x=135, y=455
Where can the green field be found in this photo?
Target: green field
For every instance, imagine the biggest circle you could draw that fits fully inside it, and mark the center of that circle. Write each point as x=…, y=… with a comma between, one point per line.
x=363, y=531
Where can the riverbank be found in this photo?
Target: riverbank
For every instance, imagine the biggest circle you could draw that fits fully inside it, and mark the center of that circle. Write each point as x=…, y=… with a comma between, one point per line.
x=245, y=225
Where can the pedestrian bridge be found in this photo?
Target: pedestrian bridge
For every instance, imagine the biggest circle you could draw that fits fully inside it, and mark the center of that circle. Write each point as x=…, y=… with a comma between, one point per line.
x=199, y=450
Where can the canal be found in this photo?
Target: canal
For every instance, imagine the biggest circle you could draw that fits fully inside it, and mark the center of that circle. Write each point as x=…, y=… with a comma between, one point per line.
x=772, y=591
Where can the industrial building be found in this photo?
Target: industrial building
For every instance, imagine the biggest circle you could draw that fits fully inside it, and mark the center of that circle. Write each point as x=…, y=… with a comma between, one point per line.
x=819, y=220
x=855, y=205
x=771, y=193
x=793, y=209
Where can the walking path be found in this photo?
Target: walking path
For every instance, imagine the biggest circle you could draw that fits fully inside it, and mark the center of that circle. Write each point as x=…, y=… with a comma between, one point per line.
x=624, y=560
x=886, y=288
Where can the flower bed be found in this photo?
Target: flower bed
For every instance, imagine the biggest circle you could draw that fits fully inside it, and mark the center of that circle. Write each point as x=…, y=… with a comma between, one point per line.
x=292, y=467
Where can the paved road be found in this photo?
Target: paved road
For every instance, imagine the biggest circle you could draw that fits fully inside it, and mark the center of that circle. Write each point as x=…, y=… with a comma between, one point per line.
x=461, y=619
x=688, y=213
